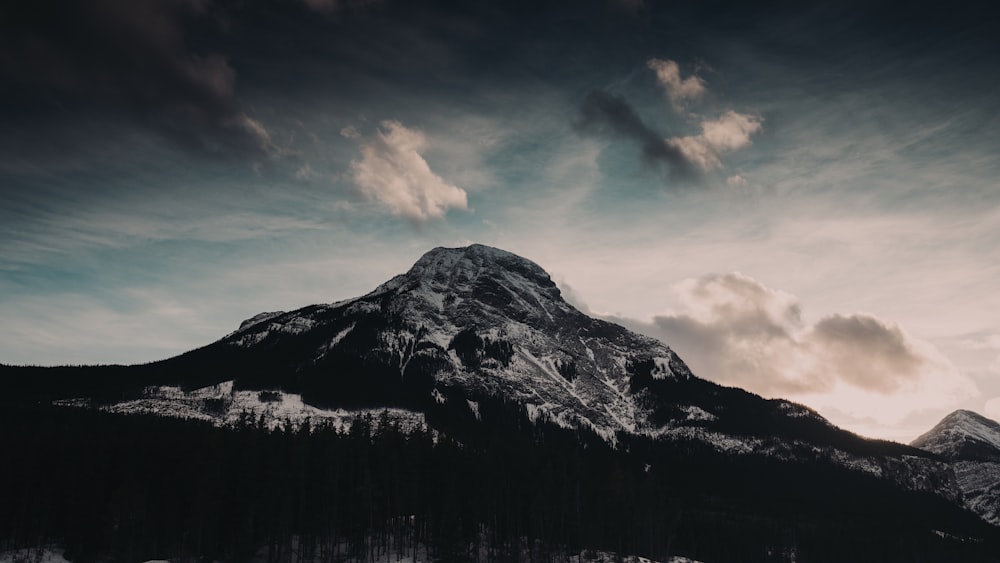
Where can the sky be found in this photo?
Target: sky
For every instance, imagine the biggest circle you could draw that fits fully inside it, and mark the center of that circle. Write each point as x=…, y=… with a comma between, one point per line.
x=801, y=199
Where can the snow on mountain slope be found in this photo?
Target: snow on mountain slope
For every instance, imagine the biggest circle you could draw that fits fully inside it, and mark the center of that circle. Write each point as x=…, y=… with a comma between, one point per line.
x=980, y=484
x=972, y=442
x=494, y=324
x=963, y=435
x=223, y=405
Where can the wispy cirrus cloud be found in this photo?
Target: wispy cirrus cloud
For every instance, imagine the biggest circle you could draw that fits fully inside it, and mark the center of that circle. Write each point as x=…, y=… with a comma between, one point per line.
x=393, y=172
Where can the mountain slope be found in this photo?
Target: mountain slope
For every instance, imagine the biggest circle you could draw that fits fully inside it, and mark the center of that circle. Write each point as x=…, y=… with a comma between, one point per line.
x=478, y=322
x=963, y=436
x=972, y=443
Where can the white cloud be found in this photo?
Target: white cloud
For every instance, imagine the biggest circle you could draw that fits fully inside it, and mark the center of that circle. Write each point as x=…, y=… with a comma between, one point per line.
x=991, y=342
x=668, y=73
x=736, y=331
x=349, y=132
x=728, y=133
x=393, y=172
x=255, y=128
x=736, y=181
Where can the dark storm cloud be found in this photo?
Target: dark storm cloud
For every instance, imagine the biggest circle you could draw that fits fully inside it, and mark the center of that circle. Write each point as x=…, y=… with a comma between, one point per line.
x=140, y=57
x=607, y=115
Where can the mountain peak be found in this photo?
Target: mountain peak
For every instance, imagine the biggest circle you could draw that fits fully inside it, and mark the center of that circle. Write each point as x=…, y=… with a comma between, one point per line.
x=469, y=262
x=474, y=284
x=963, y=435
x=483, y=321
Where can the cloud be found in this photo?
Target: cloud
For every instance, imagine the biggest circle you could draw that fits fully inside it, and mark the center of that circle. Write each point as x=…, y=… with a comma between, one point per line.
x=678, y=89
x=393, y=172
x=141, y=57
x=736, y=181
x=991, y=342
x=608, y=115
x=728, y=133
x=992, y=408
x=866, y=352
x=734, y=330
x=350, y=132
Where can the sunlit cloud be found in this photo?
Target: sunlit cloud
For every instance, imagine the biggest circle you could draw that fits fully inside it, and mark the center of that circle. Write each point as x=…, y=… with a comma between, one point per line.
x=735, y=330
x=679, y=90
x=728, y=133
x=392, y=171
x=736, y=181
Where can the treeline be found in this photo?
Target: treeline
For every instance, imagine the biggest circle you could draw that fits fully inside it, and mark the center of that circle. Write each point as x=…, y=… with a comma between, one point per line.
x=133, y=488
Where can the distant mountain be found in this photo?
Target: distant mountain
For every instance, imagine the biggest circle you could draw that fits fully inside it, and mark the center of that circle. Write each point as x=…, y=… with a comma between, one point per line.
x=477, y=345
x=963, y=436
x=972, y=443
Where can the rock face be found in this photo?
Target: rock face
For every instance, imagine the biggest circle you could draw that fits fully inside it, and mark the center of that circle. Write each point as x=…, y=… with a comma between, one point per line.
x=488, y=322
x=972, y=443
x=963, y=436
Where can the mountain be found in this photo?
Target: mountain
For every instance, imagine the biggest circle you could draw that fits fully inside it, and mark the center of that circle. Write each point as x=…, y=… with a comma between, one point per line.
x=972, y=443
x=476, y=324
x=531, y=418
x=477, y=319
x=963, y=436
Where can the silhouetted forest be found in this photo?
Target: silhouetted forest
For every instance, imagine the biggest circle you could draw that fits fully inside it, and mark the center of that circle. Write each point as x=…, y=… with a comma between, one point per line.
x=131, y=488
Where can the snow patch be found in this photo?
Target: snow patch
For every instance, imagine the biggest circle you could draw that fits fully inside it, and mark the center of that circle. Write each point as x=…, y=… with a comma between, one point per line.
x=661, y=368
x=695, y=413
x=438, y=397
x=44, y=554
x=340, y=336
x=222, y=405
